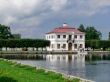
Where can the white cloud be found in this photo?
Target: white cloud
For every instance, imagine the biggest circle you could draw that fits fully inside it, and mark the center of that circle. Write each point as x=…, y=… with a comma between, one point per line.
x=28, y=15
x=91, y=7
x=57, y=5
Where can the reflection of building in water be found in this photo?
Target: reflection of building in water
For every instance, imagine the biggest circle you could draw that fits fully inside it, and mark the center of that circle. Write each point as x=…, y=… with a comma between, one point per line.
x=54, y=58
x=69, y=63
x=67, y=58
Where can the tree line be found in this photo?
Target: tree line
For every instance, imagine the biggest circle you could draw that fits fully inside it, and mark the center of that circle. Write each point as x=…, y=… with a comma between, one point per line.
x=90, y=32
x=93, y=38
x=21, y=43
x=98, y=44
x=7, y=40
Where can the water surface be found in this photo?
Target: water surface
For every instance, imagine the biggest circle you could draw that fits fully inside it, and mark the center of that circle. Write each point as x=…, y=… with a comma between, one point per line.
x=98, y=71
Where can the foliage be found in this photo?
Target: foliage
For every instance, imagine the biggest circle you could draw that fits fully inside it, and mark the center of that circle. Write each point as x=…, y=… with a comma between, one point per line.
x=14, y=72
x=98, y=44
x=109, y=36
x=82, y=28
x=5, y=32
x=91, y=32
x=7, y=79
x=21, y=43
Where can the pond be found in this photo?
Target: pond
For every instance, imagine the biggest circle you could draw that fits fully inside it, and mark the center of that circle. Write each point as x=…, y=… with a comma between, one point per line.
x=98, y=71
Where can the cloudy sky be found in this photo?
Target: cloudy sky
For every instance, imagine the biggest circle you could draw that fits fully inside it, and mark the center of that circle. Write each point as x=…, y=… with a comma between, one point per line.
x=34, y=18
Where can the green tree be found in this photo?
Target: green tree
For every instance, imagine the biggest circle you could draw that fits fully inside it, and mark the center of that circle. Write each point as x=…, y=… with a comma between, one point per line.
x=92, y=34
x=5, y=32
x=109, y=36
x=98, y=44
x=24, y=43
x=82, y=28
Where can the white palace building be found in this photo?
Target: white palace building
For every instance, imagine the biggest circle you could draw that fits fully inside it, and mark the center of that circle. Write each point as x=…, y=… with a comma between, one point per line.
x=66, y=38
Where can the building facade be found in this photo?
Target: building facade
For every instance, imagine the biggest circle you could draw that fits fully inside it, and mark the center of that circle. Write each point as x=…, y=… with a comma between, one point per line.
x=65, y=38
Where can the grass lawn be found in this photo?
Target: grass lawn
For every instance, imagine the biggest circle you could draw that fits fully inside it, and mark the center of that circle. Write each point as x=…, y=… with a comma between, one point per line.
x=13, y=72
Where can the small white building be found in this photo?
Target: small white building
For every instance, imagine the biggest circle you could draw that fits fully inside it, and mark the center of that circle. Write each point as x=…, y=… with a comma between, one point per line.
x=66, y=38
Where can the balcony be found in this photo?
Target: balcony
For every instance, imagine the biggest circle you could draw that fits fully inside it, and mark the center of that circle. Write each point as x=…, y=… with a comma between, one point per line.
x=70, y=40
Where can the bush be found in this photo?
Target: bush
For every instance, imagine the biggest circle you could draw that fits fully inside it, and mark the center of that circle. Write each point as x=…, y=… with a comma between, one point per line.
x=24, y=43
x=98, y=44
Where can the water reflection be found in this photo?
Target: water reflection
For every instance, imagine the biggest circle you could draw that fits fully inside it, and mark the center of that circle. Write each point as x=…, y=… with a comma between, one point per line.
x=66, y=58
x=69, y=64
x=98, y=71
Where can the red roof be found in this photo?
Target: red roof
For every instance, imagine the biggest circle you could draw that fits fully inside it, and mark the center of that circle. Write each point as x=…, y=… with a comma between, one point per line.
x=65, y=29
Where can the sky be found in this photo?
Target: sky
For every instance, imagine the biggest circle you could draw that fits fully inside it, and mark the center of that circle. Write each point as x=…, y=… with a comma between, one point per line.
x=34, y=18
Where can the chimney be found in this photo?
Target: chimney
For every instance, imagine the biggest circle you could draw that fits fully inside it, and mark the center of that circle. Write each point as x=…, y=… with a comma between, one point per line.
x=65, y=24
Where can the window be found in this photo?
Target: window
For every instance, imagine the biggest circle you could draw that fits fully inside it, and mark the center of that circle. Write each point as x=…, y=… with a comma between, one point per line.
x=75, y=36
x=58, y=36
x=70, y=37
x=58, y=46
x=49, y=37
x=52, y=36
x=75, y=46
x=81, y=36
x=64, y=36
x=64, y=46
x=81, y=45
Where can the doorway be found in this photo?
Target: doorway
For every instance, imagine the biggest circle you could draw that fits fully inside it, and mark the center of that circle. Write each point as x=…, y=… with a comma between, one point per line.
x=69, y=46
